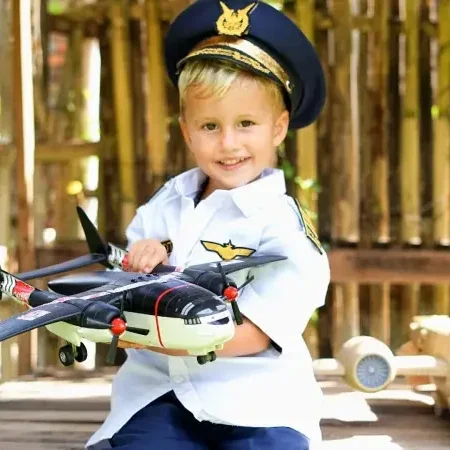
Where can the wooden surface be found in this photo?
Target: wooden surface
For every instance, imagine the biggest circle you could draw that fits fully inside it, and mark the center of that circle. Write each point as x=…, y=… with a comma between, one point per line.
x=389, y=265
x=55, y=414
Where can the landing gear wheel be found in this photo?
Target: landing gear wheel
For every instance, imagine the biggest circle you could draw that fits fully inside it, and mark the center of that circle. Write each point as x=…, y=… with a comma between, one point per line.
x=66, y=355
x=81, y=353
x=203, y=359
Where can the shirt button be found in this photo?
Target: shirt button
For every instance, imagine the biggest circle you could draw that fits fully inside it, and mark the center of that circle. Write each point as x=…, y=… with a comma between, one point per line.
x=177, y=379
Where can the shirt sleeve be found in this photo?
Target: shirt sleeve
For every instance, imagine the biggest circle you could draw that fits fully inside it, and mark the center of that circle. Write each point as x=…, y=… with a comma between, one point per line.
x=283, y=296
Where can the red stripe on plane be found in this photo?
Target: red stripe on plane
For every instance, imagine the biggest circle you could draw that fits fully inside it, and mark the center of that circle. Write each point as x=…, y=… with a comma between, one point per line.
x=156, y=311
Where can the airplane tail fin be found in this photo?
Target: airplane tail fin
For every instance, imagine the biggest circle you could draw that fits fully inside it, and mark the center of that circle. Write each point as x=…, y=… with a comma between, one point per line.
x=94, y=241
x=115, y=257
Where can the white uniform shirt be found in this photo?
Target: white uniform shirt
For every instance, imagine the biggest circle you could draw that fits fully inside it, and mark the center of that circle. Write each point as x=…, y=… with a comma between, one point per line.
x=268, y=389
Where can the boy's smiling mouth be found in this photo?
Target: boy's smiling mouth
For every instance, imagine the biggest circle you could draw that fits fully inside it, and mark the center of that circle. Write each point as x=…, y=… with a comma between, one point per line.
x=232, y=162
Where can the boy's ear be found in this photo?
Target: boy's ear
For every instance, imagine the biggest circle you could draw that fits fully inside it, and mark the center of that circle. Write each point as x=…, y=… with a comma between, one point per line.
x=281, y=128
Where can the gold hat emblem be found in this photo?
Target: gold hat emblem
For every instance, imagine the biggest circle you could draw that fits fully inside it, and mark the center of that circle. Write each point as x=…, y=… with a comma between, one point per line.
x=234, y=23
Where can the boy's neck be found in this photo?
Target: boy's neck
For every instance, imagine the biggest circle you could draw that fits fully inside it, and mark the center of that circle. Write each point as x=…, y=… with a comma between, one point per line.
x=206, y=189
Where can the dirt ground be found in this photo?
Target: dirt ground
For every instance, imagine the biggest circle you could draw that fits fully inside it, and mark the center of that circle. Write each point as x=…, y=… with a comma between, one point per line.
x=54, y=414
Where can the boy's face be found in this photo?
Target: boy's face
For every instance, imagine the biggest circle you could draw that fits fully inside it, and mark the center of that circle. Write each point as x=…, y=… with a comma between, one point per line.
x=233, y=138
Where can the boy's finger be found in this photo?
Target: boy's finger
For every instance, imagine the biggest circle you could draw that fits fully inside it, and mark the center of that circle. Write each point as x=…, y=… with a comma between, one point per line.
x=153, y=261
x=134, y=254
x=145, y=260
x=141, y=253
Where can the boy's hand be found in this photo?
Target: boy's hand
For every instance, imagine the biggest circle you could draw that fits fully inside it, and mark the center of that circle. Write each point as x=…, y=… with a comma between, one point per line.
x=145, y=255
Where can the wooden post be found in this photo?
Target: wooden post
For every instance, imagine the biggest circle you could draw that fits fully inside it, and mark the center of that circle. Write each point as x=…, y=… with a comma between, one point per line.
x=8, y=348
x=307, y=156
x=157, y=98
x=409, y=153
x=345, y=183
x=123, y=110
x=25, y=143
x=441, y=150
x=379, y=157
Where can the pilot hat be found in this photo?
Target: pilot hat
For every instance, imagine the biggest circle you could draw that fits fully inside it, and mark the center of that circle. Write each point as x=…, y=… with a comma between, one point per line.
x=254, y=36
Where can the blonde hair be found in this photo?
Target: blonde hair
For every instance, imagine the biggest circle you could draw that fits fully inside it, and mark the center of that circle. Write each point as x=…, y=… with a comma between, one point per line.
x=215, y=77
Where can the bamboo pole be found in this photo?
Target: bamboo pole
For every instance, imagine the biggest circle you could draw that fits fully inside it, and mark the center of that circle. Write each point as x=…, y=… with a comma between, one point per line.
x=345, y=129
x=345, y=184
x=124, y=112
x=307, y=137
x=441, y=150
x=409, y=153
x=410, y=158
x=25, y=142
x=379, y=157
x=108, y=188
x=139, y=76
x=157, y=98
x=307, y=156
x=76, y=49
x=6, y=104
x=38, y=22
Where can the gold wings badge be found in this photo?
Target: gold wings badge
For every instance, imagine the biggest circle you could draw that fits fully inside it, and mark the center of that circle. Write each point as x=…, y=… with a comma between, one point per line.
x=227, y=251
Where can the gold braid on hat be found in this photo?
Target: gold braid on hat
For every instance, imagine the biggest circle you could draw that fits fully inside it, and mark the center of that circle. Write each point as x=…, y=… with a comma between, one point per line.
x=241, y=51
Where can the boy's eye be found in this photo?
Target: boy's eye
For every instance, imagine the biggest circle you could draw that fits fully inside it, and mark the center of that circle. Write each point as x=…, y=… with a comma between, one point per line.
x=209, y=126
x=247, y=123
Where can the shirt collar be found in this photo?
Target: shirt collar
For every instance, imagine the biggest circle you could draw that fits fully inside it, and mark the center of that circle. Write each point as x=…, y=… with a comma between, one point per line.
x=248, y=198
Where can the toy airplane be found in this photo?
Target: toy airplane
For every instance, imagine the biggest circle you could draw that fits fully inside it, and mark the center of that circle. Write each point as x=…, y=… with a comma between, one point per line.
x=170, y=308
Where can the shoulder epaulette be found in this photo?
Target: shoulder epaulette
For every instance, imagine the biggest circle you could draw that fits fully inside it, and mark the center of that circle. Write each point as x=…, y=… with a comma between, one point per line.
x=308, y=225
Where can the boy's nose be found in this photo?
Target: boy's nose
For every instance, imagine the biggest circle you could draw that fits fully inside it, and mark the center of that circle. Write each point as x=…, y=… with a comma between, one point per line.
x=229, y=140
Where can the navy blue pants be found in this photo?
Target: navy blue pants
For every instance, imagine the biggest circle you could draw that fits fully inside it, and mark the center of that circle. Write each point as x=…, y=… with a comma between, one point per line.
x=166, y=425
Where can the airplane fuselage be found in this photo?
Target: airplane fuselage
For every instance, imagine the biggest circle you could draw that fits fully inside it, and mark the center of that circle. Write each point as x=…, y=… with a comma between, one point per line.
x=177, y=313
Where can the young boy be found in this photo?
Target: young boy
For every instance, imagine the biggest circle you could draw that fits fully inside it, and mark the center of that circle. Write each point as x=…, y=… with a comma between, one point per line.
x=245, y=74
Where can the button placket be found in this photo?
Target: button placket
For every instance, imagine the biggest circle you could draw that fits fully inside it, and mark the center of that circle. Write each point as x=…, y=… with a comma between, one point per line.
x=194, y=222
x=177, y=370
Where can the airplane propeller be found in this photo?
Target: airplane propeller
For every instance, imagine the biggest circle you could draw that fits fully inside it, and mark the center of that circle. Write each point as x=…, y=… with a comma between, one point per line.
x=231, y=293
x=117, y=327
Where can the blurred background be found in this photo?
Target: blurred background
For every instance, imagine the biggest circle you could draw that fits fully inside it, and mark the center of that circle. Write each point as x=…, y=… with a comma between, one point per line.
x=89, y=117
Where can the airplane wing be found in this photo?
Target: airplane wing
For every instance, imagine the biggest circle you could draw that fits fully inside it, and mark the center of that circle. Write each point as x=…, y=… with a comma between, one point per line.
x=66, y=266
x=234, y=265
x=37, y=317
